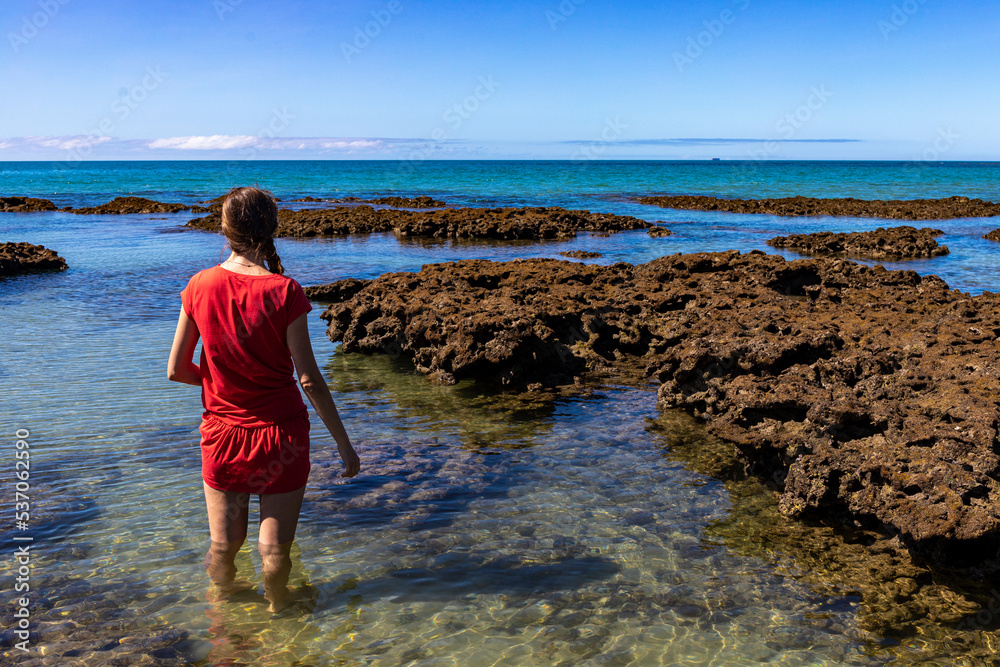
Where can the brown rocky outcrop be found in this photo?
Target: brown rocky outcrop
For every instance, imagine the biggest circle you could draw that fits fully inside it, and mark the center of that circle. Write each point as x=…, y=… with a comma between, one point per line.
x=17, y=258
x=903, y=209
x=423, y=201
x=884, y=243
x=858, y=391
x=25, y=205
x=127, y=205
x=462, y=223
x=992, y=236
x=336, y=292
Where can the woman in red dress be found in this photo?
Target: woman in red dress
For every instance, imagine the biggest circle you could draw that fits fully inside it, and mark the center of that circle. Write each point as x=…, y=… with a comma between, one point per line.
x=255, y=429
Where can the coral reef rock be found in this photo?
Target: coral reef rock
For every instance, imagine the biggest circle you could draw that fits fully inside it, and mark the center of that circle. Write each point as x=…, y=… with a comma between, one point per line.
x=902, y=209
x=127, y=205
x=856, y=391
x=883, y=243
x=459, y=223
x=25, y=205
x=17, y=258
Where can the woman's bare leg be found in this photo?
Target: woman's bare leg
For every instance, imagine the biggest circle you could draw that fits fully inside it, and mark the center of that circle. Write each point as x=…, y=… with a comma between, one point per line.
x=227, y=520
x=279, y=515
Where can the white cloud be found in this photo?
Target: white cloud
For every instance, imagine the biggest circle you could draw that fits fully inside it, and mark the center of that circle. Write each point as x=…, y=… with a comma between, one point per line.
x=203, y=143
x=229, y=142
x=216, y=146
x=65, y=143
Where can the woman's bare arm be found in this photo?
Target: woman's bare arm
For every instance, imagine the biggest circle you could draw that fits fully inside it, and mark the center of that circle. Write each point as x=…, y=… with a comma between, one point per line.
x=180, y=367
x=315, y=387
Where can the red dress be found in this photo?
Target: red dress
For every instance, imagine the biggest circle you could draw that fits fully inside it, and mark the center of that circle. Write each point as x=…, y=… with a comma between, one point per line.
x=255, y=428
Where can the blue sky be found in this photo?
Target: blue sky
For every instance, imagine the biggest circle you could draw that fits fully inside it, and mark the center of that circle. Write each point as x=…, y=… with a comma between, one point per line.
x=559, y=79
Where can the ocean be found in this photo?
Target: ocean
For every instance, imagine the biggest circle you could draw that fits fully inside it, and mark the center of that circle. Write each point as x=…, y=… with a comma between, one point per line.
x=481, y=530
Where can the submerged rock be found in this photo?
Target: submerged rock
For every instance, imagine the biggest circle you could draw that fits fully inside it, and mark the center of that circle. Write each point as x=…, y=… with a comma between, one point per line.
x=460, y=223
x=127, y=205
x=25, y=205
x=902, y=209
x=581, y=254
x=884, y=243
x=16, y=258
x=862, y=392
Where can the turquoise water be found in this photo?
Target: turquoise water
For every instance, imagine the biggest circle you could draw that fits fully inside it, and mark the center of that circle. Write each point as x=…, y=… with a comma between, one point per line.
x=513, y=182
x=482, y=530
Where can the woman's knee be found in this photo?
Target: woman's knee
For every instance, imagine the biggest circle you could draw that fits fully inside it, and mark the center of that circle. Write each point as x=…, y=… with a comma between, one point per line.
x=225, y=550
x=275, y=556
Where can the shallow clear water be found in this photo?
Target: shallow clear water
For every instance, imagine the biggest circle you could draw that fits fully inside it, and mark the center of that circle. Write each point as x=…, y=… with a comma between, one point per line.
x=482, y=530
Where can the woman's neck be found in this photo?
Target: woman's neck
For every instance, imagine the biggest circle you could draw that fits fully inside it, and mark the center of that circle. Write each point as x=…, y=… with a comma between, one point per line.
x=250, y=263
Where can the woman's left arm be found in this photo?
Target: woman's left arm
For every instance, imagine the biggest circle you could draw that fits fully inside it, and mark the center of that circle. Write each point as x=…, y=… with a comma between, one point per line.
x=181, y=368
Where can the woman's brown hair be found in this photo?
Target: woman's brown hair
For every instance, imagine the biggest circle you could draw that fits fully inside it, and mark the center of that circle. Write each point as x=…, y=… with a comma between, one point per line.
x=249, y=220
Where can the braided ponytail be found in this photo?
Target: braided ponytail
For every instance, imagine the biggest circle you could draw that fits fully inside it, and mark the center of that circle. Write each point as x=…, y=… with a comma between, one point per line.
x=249, y=221
x=270, y=254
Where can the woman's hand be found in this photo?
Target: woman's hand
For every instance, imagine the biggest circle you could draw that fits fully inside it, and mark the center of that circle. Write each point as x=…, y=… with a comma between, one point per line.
x=352, y=464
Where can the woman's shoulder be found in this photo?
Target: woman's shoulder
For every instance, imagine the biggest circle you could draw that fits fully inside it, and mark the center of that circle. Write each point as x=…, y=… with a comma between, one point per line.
x=205, y=274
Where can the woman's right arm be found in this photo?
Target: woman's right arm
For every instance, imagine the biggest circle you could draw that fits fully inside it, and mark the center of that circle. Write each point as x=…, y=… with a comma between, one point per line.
x=314, y=385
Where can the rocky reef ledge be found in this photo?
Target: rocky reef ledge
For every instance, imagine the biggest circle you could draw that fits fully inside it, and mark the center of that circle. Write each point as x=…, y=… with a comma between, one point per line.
x=884, y=243
x=858, y=392
x=117, y=206
x=460, y=223
x=992, y=236
x=134, y=205
x=25, y=205
x=423, y=201
x=18, y=258
x=903, y=209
